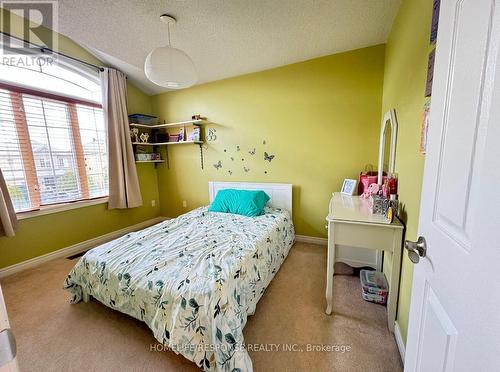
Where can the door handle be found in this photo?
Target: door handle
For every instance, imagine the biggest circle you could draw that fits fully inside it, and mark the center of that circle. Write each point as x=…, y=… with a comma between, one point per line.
x=8, y=348
x=416, y=249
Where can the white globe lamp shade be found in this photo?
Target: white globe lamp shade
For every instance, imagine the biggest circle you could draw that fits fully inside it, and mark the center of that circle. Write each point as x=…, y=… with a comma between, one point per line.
x=170, y=68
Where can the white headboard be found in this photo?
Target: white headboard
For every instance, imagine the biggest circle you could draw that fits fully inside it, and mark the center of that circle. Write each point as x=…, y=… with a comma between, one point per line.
x=280, y=193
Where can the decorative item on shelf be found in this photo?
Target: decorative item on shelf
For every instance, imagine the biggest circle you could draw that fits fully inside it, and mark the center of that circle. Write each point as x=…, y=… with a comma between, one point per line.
x=198, y=117
x=134, y=134
x=142, y=157
x=144, y=137
x=177, y=137
x=211, y=136
x=194, y=135
x=161, y=137
x=147, y=157
x=349, y=186
x=174, y=138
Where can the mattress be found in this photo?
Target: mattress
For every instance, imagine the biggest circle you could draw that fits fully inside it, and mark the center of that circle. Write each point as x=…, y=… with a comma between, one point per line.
x=193, y=279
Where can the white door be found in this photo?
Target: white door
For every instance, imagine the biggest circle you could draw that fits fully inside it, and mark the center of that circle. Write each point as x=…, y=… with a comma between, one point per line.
x=8, y=361
x=455, y=308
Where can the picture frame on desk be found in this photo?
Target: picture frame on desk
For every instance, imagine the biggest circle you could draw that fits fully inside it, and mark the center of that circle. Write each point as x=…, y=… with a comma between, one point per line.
x=349, y=187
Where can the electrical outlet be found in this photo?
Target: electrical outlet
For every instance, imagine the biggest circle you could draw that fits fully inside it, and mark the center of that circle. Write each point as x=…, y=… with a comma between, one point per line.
x=153, y=203
x=184, y=204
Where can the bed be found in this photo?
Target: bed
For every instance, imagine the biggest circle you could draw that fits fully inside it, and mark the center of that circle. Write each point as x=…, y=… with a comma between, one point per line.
x=193, y=279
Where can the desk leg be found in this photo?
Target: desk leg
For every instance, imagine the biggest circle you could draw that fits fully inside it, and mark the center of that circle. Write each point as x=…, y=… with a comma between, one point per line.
x=330, y=268
x=394, y=283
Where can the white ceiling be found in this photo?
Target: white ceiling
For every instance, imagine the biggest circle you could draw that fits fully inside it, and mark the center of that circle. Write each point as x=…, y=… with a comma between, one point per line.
x=224, y=37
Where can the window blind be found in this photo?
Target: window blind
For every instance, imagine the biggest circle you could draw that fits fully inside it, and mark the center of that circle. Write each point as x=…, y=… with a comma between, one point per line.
x=51, y=151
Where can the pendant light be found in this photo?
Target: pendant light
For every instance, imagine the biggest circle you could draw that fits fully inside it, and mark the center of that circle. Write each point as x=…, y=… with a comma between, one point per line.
x=170, y=67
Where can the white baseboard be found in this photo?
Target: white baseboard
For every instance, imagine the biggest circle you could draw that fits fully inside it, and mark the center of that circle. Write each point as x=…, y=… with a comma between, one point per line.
x=311, y=240
x=399, y=341
x=76, y=248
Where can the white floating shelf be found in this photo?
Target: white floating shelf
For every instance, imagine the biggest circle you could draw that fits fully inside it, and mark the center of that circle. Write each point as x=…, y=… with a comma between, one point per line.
x=150, y=161
x=170, y=125
x=167, y=143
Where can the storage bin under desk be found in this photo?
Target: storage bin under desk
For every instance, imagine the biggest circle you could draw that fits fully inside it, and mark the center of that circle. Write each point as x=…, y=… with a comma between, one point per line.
x=350, y=223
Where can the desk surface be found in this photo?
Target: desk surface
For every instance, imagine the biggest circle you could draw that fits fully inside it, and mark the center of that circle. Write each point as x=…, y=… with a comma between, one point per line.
x=355, y=209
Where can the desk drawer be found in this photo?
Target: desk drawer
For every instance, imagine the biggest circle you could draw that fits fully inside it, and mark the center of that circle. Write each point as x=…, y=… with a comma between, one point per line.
x=364, y=235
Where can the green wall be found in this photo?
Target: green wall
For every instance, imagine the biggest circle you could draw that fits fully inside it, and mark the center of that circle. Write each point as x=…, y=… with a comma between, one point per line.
x=40, y=235
x=319, y=118
x=404, y=86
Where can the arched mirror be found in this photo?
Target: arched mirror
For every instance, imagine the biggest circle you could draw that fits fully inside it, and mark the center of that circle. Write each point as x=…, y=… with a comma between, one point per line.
x=389, y=123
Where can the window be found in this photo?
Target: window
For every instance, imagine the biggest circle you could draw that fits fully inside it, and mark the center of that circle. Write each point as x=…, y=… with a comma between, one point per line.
x=53, y=147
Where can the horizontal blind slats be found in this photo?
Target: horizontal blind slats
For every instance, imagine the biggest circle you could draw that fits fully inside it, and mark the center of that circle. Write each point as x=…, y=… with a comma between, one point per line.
x=38, y=152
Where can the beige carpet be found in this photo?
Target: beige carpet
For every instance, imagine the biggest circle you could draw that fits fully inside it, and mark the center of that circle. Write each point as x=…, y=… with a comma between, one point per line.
x=53, y=335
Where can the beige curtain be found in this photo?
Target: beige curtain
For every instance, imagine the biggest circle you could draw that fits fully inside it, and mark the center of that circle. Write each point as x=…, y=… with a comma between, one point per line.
x=124, y=191
x=8, y=220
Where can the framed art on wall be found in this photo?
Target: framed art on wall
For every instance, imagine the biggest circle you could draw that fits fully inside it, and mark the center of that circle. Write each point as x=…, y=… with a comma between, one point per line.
x=430, y=73
x=435, y=21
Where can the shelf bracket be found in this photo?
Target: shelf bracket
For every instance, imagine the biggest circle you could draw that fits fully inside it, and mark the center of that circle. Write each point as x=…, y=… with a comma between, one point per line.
x=201, y=156
x=166, y=158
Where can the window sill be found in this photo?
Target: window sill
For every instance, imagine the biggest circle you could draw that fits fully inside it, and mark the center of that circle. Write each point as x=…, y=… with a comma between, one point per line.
x=61, y=208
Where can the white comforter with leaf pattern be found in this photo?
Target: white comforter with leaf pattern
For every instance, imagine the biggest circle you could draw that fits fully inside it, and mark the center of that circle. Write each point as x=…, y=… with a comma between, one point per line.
x=193, y=280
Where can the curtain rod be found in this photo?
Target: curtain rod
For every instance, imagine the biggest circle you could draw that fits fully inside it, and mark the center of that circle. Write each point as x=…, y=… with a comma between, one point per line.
x=45, y=49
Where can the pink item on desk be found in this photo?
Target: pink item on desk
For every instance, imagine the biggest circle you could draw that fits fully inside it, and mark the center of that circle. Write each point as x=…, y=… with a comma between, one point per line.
x=393, y=183
x=385, y=190
x=373, y=189
x=366, y=179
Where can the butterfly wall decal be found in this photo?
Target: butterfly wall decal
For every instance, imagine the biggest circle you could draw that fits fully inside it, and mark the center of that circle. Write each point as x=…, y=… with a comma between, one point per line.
x=218, y=165
x=230, y=172
x=268, y=157
x=246, y=169
x=238, y=148
x=252, y=152
x=232, y=158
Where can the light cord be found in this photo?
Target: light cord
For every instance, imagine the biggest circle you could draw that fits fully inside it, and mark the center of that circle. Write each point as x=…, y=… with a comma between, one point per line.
x=168, y=32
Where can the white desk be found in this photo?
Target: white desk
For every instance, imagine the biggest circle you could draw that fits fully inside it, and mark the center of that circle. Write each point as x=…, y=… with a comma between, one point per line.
x=351, y=223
